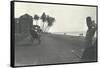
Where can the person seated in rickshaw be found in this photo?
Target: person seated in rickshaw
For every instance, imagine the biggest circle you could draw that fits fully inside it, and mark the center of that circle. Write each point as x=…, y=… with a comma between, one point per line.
x=35, y=33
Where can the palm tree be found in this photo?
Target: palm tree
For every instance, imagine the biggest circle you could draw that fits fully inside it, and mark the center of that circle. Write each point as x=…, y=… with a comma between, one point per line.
x=50, y=21
x=36, y=17
x=43, y=18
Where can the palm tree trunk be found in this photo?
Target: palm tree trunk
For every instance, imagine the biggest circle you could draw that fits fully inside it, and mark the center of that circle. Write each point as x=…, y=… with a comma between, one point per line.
x=47, y=28
x=36, y=22
x=43, y=27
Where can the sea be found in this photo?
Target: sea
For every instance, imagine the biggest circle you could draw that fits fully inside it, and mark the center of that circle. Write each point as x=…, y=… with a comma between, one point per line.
x=81, y=33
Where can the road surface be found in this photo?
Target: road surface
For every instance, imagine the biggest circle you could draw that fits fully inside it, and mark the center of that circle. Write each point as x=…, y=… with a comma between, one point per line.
x=52, y=49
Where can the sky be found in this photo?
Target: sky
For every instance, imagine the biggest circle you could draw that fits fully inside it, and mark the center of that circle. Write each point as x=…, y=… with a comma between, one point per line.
x=69, y=18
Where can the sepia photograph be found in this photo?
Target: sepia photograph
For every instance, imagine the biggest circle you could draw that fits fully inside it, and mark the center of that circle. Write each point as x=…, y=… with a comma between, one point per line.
x=51, y=33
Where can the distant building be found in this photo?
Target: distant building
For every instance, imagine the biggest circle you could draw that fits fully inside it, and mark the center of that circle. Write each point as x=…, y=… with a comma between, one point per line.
x=25, y=23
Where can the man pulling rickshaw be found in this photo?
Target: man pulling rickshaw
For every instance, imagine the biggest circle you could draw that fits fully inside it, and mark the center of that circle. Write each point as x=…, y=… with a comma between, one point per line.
x=35, y=33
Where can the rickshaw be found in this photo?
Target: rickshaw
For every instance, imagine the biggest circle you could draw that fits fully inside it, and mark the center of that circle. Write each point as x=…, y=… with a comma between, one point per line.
x=35, y=33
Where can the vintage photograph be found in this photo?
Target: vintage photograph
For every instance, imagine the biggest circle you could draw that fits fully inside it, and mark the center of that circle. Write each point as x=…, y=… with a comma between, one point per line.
x=54, y=33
